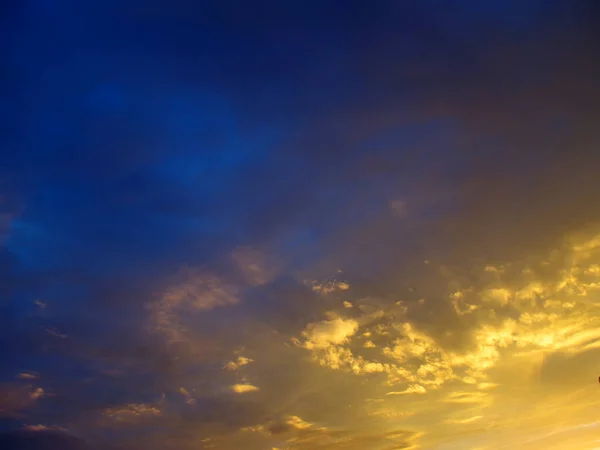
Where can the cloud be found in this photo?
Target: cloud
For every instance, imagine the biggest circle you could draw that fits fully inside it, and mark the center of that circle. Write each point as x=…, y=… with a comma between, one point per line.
x=192, y=291
x=132, y=413
x=40, y=427
x=16, y=399
x=127, y=170
x=187, y=395
x=412, y=389
x=241, y=361
x=468, y=397
x=283, y=425
x=200, y=291
x=321, y=335
x=40, y=304
x=28, y=375
x=256, y=267
x=298, y=434
x=464, y=421
x=243, y=388
x=329, y=287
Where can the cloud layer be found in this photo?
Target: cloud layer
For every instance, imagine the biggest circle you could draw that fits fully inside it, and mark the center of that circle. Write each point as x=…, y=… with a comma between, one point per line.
x=299, y=226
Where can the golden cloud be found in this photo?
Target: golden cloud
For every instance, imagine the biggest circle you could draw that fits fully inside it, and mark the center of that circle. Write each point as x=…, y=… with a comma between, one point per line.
x=322, y=335
x=329, y=287
x=244, y=388
x=241, y=361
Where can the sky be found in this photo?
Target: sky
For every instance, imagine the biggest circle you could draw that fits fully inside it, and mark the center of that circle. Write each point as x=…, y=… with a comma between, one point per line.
x=299, y=225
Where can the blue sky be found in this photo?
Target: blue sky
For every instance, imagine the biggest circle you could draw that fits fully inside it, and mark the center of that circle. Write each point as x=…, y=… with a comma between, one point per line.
x=298, y=225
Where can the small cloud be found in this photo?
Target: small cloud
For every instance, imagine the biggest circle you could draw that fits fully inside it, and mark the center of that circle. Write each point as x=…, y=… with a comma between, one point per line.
x=40, y=304
x=36, y=394
x=412, y=389
x=255, y=266
x=284, y=425
x=329, y=287
x=54, y=332
x=493, y=269
x=239, y=362
x=35, y=427
x=369, y=344
x=244, y=388
x=323, y=334
x=463, y=421
x=185, y=393
x=467, y=397
x=132, y=412
x=27, y=375
x=348, y=305
x=40, y=427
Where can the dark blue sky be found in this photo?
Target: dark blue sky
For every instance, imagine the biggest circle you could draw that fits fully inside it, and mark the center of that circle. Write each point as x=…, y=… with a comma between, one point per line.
x=184, y=183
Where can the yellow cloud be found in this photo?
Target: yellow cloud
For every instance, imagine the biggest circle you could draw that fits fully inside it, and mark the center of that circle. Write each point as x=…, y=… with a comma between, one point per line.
x=467, y=397
x=412, y=389
x=329, y=287
x=239, y=362
x=496, y=295
x=322, y=335
x=464, y=421
x=244, y=388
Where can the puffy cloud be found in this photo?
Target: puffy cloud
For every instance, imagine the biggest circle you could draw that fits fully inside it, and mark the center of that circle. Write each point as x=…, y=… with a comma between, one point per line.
x=324, y=334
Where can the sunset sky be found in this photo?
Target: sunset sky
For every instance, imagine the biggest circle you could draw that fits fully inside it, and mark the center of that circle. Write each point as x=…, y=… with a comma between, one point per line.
x=300, y=225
